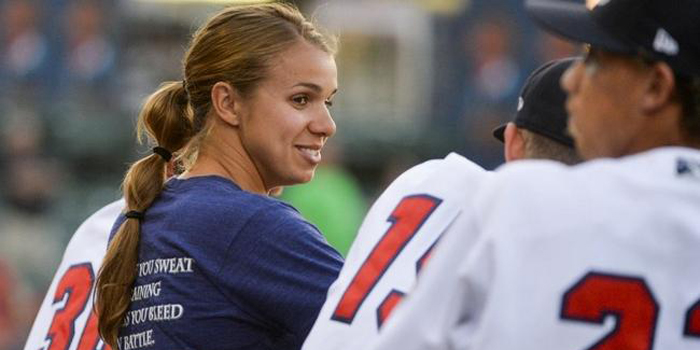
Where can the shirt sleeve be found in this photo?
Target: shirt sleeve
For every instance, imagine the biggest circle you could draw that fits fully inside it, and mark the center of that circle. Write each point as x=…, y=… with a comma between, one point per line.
x=436, y=306
x=281, y=266
x=442, y=311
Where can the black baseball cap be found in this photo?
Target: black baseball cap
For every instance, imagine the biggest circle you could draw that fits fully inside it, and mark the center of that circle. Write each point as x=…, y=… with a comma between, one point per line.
x=541, y=106
x=666, y=30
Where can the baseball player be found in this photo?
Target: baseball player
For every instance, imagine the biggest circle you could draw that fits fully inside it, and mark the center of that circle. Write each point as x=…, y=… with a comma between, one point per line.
x=66, y=319
x=404, y=224
x=597, y=256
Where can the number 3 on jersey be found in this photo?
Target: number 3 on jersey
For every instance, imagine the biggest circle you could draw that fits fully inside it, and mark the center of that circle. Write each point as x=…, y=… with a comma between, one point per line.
x=76, y=286
x=407, y=218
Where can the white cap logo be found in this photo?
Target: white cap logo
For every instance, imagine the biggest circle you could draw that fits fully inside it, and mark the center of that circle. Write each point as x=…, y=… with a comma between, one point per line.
x=521, y=103
x=665, y=43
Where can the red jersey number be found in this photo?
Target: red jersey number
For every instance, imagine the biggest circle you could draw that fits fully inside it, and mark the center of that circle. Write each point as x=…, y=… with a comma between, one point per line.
x=692, y=321
x=630, y=301
x=75, y=286
x=407, y=218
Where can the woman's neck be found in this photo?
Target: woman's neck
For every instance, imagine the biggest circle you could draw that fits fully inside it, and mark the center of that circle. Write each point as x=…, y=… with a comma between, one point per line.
x=225, y=156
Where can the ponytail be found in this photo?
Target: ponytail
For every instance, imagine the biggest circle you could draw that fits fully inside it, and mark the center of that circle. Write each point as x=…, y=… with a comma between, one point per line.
x=166, y=119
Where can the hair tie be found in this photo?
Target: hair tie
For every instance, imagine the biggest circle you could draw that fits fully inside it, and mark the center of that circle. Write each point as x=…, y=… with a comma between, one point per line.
x=164, y=153
x=133, y=214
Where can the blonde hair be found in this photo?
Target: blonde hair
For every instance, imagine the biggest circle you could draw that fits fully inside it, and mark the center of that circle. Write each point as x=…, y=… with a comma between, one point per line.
x=235, y=46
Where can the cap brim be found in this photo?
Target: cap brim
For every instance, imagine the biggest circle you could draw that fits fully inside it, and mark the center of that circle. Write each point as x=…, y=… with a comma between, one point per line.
x=499, y=132
x=573, y=21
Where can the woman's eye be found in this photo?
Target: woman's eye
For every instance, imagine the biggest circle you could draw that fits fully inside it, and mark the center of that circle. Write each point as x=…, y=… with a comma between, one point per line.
x=301, y=100
x=329, y=103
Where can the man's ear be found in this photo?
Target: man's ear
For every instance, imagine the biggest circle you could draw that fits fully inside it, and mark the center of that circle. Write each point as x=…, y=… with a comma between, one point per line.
x=659, y=88
x=513, y=143
x=226, y=103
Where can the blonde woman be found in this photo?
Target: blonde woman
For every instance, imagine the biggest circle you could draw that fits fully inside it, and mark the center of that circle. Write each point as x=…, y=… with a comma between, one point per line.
x=207, y=260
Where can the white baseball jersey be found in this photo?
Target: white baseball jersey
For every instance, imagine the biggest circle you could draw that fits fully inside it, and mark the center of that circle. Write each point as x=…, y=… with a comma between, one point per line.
x=392, y=244
x=600, y=256
x=66, y=320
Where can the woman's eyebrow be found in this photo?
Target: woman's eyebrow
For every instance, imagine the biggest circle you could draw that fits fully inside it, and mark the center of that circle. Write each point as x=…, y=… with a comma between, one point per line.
x=317, y=88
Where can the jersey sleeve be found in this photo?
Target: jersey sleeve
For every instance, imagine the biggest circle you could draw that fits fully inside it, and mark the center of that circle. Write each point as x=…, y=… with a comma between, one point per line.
x=281, y=266
x=437, y=305
x=452, y=289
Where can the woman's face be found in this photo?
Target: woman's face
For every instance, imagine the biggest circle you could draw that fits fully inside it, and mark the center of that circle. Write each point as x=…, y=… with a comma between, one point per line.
x=286, y=121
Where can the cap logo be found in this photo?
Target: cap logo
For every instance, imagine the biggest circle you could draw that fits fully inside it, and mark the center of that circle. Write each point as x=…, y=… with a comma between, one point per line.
x=665, y=43
x=521, y=103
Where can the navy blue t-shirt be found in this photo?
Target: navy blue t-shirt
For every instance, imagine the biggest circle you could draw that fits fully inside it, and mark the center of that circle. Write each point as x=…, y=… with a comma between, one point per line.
x=222, y=268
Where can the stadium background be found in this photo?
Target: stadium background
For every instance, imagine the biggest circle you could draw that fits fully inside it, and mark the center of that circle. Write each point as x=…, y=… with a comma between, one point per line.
x=418, y=78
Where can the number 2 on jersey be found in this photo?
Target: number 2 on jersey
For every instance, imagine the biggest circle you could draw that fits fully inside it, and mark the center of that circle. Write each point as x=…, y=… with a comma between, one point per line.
x=628, y=299
x=692, y=321
x=407, y=218
x=75, y=285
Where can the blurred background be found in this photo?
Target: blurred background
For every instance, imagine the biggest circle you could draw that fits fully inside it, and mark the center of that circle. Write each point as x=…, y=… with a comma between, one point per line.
x=418, y=79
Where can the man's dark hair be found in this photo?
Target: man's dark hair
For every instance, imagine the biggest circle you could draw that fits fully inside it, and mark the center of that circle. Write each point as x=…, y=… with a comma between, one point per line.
x=688, y=93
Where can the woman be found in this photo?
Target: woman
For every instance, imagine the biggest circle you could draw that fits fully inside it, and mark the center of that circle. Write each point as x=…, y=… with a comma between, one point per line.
x=208, y=260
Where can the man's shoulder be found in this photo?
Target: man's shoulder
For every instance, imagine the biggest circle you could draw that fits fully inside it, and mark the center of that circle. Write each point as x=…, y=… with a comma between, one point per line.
x=452, y=161
x=449, y=183
x=658, y=164
x=95, y=230
x=441, y=174
x=546, y=194
x=105, y=215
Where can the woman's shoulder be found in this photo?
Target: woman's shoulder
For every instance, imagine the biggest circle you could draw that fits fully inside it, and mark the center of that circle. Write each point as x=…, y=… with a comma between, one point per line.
x=278, y=215
x=217, y=193
x=214, y=198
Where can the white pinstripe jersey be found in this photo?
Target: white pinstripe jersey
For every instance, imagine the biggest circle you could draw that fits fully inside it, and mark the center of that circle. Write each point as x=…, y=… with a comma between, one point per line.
x=394, y=240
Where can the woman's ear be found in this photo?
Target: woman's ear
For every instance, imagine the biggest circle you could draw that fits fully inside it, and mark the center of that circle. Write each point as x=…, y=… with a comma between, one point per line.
x=226, y=102
x=659, y=88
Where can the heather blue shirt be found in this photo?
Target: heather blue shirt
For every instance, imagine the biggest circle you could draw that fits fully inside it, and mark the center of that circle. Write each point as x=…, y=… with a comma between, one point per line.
x=221, y=268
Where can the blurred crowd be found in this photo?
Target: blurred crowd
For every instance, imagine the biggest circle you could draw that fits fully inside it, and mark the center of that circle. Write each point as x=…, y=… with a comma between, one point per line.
x=74, y=72
x=64, y=139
